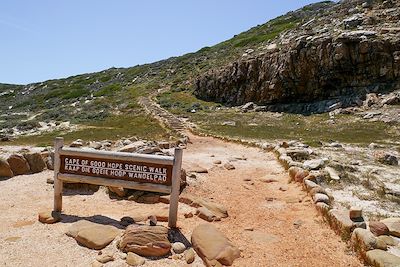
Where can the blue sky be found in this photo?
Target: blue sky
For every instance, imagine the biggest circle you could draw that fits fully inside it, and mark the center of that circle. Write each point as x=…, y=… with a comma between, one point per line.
x=47, y=39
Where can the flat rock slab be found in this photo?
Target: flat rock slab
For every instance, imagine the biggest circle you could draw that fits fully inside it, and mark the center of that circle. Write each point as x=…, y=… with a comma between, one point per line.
x=146, y=240
x=213, y=247
x=197, y=169
x=92, y=235
x=382, y=258
x=393, y=225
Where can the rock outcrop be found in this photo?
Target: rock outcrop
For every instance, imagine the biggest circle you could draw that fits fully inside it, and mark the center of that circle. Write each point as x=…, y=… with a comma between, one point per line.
x=337, y=57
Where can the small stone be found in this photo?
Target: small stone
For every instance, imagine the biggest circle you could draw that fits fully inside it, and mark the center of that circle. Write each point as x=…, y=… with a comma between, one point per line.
x=50, y=180
x=284, y=188
x=249, y=229
x=313, y=164
x=363, y=240
x=97, y=264
x=321, y=198
x=105, y=257
x=355, y=213
x=298, y=223
x=308, y=184
x=248, y=187
x=388, y=240
x=190, y=256
x=393, y=224
x=76, y=143
x=301, y=175
x=119, y=191
x=188, y=214
x=178, y=247
x=378, y=257
x=176, y=257
x=332, y=173
x=229, y=166
x=125, y=221
x=217, y=162
x=197, y=169
x=293, y=171
x=380, y=244
x=268, y=180
x=134, y=260
x=206, y=214
x=153, y=220
x=378, y=228
x=49, y=217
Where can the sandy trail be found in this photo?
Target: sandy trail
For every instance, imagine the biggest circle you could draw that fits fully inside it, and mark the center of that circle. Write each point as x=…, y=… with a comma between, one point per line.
x=285, y=228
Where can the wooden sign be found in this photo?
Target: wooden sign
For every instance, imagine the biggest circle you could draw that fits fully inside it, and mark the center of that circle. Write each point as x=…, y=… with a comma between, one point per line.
x=118, y=169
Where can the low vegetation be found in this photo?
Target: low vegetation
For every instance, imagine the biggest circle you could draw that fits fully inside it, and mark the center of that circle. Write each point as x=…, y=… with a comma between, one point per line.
x=110, y=128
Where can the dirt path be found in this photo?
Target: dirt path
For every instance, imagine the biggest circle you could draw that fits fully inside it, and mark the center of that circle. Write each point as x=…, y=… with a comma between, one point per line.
x=286, y=230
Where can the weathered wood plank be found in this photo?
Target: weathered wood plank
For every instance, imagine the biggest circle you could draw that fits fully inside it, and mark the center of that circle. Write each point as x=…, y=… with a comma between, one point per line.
x=176, y=182
x=156, y=159
x=58, y=184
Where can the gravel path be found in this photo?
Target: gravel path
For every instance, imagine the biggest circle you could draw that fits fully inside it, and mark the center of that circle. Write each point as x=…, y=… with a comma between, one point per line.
x=272, y=227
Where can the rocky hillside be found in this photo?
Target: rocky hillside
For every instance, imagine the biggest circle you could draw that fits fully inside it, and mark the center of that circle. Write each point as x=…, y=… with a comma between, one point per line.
x=318, y=52
x=337, y=56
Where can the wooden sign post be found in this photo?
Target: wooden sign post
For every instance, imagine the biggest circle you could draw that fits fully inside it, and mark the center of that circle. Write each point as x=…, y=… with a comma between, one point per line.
x=118, y=169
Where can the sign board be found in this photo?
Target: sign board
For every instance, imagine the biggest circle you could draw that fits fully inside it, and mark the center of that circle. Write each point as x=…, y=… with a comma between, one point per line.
x=129, y=170
x=119, y=169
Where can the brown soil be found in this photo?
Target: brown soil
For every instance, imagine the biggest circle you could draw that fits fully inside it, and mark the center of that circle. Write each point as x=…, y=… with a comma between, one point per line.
x=285, y=228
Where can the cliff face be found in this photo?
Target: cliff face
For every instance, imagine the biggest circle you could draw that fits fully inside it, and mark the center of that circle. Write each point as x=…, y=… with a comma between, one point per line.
x=349, y=50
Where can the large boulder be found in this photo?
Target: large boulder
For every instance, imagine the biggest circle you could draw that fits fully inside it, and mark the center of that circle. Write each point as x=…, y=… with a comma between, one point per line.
x=92, y=235
x=213, y=247
x=18, y=164
x=147, y=241
x=5, y=170
x=35, y=161
x=393, y=224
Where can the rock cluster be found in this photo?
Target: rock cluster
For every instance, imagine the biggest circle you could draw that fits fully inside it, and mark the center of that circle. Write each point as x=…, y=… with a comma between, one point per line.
x=375, y=244
x=19, y=164
x=372, y=242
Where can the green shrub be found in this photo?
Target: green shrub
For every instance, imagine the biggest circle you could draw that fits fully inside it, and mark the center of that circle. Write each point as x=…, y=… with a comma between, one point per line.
x=108, y=90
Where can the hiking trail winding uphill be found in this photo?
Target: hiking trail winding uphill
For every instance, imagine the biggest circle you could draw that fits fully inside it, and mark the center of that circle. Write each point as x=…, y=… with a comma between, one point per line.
x=274, y=224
